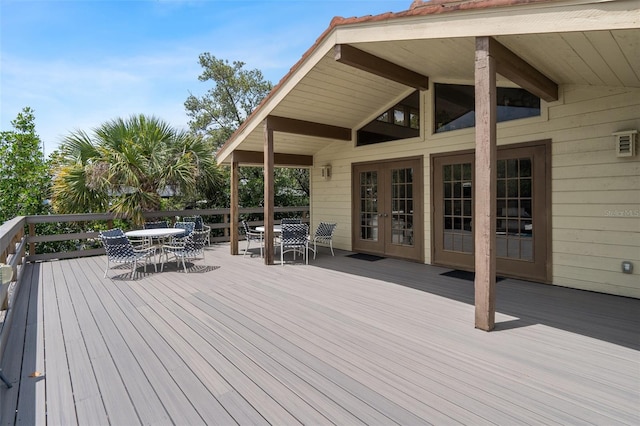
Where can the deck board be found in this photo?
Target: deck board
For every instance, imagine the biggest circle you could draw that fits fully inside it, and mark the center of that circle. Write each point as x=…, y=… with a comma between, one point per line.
x=341, y=341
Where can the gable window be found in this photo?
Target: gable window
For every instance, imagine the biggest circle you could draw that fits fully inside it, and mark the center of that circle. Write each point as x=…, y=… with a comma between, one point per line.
x=402, y=121
x=455, y=106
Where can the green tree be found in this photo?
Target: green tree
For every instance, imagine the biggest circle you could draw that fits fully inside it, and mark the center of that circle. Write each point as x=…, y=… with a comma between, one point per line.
x=221, y=111
x=24, y=179
x=235, y=94
x=126, y=164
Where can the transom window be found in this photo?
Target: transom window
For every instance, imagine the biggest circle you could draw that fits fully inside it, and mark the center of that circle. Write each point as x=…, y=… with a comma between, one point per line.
x=402, y=121
x=455, y=106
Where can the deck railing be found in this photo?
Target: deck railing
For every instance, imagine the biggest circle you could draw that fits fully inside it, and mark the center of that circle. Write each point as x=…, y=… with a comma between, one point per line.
x=87, y=245
x=12, y=253
x=18, y=247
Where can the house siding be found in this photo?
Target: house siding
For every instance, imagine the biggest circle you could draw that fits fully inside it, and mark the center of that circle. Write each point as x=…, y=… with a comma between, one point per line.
x=595, y=196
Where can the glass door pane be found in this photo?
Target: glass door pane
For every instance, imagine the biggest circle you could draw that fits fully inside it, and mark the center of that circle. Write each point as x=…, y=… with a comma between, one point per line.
x=369, y=205
x=458, y=206
x=402, y=206
x=514, y=214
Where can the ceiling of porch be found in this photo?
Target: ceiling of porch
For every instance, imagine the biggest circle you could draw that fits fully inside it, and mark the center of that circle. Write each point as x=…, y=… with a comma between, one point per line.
x=337, y=94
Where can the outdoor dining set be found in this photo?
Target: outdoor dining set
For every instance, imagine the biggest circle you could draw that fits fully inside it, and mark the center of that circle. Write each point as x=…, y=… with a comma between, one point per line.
x=292, y=235
x=187, y=238
x=157, y=240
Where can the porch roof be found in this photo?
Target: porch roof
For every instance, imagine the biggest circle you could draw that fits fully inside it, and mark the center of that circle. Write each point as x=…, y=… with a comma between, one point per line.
x=570, y=42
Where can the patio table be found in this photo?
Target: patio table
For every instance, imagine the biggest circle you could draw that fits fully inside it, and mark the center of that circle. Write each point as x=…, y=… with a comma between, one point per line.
x=152, y=233
x=277, y=229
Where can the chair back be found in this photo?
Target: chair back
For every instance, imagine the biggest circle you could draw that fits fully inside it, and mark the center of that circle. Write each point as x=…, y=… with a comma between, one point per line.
x=325, y=229
x=115, y=232
x=196, y=241
x=187, y=226
x=290, y=220
x=294, y=234
x=245, y=226
x=156, y=225
x=197, y=220
x=117, y=246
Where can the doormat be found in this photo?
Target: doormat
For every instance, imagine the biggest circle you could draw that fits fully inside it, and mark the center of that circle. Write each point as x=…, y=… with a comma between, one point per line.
x=367, y=257
x=464, y=275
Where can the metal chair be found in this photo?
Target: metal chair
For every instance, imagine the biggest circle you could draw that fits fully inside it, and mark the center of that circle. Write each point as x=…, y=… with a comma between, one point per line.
x=199, y=225
x=153, y=225
x=324, y=235
x=120, y=250
x=193, y=247
x=188, y=229
x=156, y=225
x=197, y=220
x=252, y=235
x=295, y=238
x=290, y=220
x=115, y=232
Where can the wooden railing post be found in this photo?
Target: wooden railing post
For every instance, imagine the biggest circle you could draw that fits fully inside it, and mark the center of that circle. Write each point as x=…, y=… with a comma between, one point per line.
x=32, y=233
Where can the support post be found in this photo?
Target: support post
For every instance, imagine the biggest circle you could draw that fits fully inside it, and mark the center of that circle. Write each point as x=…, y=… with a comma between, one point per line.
x=485, y=186
x=234, y=211
x=269, y=199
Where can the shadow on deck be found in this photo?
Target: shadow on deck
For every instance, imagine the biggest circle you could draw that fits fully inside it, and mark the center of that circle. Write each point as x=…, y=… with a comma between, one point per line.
x=614, y=319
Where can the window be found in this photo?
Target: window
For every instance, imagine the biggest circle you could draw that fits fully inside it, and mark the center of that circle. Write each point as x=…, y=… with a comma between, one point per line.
x=455, y=106
x=402, y=121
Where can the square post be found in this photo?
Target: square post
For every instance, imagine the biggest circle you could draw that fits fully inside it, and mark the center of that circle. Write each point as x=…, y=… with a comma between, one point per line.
x=484, y=226
x=234, y=210
x=268, y=194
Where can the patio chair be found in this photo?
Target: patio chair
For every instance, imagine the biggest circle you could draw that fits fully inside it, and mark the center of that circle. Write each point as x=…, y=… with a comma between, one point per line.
x=156, y=225
x=295, y=238
x=115, y=232
x=188, y=229
x=199, y=225
x=290, y=220
x=252, y=235
x=197, y=220
x=120, y=250
x=324, y=235
x=192, y=247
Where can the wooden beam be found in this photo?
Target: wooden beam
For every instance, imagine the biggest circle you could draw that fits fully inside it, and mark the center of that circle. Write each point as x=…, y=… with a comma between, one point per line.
x=234, y=209
x=521, y=72
x=357, y=58
x=308, y=128
x=484, y=220
x=269, y=198
x=256, y=158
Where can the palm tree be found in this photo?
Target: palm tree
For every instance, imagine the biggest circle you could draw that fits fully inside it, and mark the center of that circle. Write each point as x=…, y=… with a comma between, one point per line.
x=126, y=165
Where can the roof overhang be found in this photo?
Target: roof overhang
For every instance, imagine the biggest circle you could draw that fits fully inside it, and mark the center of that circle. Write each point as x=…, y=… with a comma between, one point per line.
x=566, y=42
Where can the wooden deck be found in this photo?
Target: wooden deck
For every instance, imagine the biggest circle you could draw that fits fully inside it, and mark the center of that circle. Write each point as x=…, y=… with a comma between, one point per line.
x=341, y=341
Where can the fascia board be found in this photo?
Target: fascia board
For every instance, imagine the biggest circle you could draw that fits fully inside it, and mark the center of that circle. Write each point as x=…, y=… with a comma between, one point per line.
x=540, y=18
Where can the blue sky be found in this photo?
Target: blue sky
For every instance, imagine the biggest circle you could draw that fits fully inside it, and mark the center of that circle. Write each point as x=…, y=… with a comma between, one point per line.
x=79, y=63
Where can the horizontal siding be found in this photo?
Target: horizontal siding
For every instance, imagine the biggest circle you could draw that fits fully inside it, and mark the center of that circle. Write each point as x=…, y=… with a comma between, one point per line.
x=595, y=195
